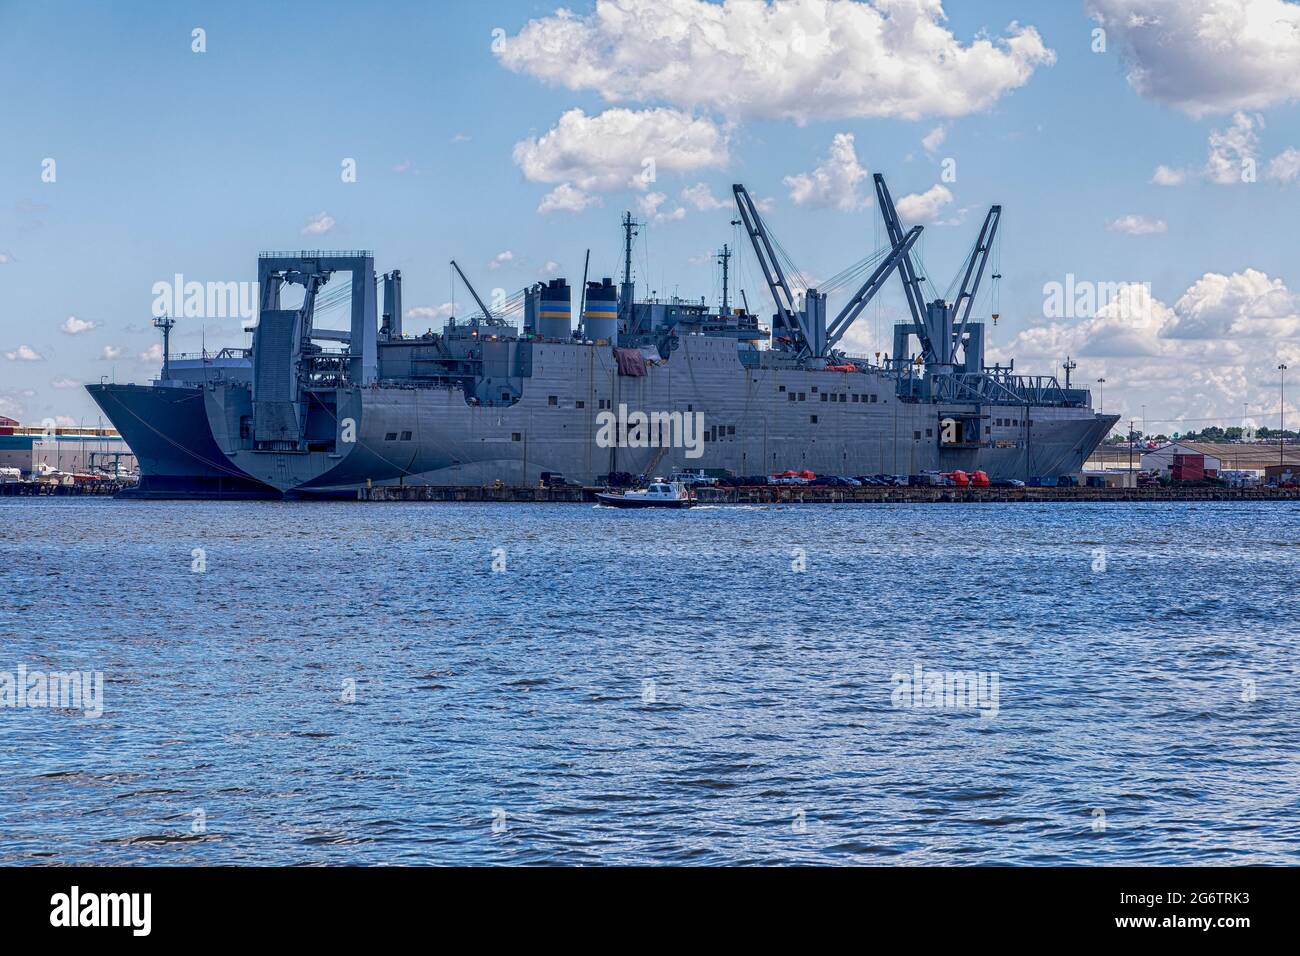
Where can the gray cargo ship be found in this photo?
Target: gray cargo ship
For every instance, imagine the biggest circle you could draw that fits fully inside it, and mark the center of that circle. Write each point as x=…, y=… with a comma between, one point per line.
x=641, y=387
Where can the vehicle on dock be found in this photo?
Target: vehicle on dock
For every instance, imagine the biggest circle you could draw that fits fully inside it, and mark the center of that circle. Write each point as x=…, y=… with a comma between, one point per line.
x=659, y=494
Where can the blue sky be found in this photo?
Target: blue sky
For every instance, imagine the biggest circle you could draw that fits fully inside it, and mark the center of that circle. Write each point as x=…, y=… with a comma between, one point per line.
x=170, y=161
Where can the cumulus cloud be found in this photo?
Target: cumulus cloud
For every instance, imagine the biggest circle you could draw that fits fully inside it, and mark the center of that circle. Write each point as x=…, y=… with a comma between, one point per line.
x=429, y=312
x=1135, y=225
x=924, y=207
x=834, y=183
x=932, y=140
x=110, y=352
x=649, y=206
x=1231, y=148
x=621, y=148
x=153, y=353
x=1199, y=358
x=701, y=197
x=800, y=60
x=1168, y=176
x=75, y=326
x=5, y=258
x=1285, y=167
x=567, y=198
x=24, y=353
x=1207, y=56
x=62, y=383
x=501, y=259
x=318, y=224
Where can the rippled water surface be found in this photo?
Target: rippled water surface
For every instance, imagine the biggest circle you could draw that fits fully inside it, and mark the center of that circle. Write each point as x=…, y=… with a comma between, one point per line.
x=651, y=687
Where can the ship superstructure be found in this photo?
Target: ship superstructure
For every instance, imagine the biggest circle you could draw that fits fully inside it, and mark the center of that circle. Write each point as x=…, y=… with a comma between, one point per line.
x=309, y=410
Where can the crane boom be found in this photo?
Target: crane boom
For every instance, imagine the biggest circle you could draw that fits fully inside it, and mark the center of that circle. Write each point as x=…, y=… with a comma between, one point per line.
x=864, y=295
x=906, y=271
x=975, y=268
x=487, y=313
x=786, y=310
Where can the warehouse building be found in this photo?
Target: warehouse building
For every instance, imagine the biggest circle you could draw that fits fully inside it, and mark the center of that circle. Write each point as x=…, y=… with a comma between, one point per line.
x=35, y=451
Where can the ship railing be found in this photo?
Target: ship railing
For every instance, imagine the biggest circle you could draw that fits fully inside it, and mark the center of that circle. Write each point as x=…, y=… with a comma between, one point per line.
x=317, y=254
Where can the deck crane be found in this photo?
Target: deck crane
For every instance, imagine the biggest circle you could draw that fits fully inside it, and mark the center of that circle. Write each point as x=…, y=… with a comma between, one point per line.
x=807, y=329
x=789, y=320
x=487, y=313
x=940, y=326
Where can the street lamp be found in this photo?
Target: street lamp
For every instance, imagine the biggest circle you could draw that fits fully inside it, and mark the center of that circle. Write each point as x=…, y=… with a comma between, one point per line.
x=1102, y=383
x=1281, y=457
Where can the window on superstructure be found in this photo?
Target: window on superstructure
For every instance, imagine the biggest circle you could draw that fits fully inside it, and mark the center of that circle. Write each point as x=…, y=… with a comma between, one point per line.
x=516, y=436
x=929, y=433
x=813, y=419
x=391, y=436
x=793, y=396
x=552, y=400
x=579, y=404
x=406, y=436
x=916, y=436
x=779, y=388
x=824, y=396
x=803, y=396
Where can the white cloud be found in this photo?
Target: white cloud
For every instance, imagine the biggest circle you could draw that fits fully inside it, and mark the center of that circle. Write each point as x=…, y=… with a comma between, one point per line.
x=932, y=140
x=153, y=353
x=429, y=311
x=1244, y=304
x=550, y=267
x=835, y=180
x=501, y=259
x=1285, y=166
x=649, y=206
x=110, y=352
x=5, y=258
x=461, y=138
x=924, y=207
x=24, y=353
x=798, y=59
x=62, y=383
x=1168, y=176
x=75, y=326
x=621, y=148
x=1199, y=359
x=403, y=166
x=701, y=197
x=318, y=224
x=1230, y=149
x=1207, y=56
x=1136, y=225
x=566, y=198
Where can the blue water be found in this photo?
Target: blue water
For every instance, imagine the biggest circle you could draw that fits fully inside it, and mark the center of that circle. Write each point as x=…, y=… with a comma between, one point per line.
x=651, y=687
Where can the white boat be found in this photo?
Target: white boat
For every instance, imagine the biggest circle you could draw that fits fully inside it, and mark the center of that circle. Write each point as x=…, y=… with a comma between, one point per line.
x=659, y=494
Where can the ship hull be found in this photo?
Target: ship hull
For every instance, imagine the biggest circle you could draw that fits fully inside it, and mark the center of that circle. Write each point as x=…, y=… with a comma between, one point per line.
x=756, y=421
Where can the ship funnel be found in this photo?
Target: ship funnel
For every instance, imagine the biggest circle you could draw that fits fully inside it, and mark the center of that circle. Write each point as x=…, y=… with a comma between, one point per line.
x=551, y=310
x=600, y=321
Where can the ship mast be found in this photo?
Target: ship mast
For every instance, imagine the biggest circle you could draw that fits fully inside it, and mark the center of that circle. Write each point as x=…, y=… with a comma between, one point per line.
x=724, y=257
x=627, y=289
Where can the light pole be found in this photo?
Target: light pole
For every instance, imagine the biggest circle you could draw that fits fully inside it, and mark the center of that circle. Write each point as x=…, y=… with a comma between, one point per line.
x=1281, y=456
x=1102, y=383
